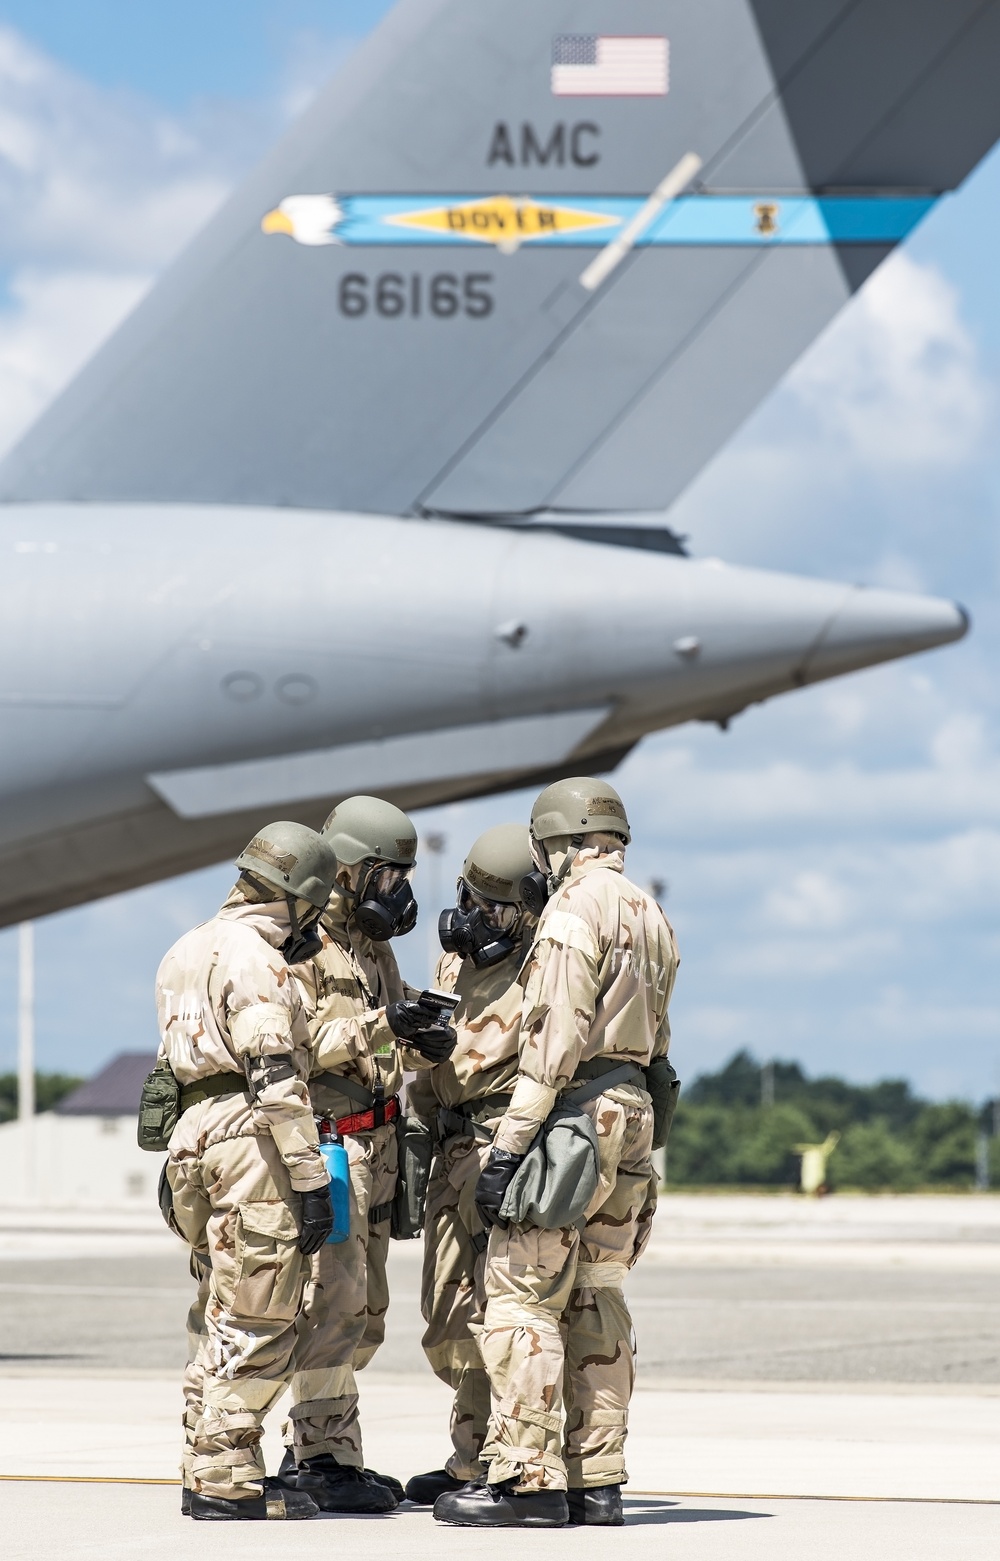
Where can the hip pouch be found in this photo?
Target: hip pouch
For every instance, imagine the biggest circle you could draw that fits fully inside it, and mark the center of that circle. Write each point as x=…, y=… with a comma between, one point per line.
x=558, y=1177
x=159, y=1108
x=663, y=1087
x=414, y=1147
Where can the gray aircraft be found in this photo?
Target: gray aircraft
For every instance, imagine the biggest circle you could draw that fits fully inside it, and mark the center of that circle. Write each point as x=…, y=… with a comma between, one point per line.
x=372, y=491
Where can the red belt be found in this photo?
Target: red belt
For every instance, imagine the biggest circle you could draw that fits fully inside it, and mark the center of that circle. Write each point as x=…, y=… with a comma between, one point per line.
x=383, y=1111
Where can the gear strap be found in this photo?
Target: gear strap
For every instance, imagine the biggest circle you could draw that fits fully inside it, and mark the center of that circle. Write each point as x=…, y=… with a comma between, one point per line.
x=597, y=1076
x=459, y=1124
x=214, y=1084
x=349, y=1087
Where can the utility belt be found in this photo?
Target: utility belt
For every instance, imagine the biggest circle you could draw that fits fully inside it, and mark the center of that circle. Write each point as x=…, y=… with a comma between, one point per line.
x=592, y=1078
x=163, y=1101
x=375, y=1110
x=556, y=1182
x=382, y=1112
x=657, y=1078
x=215, y=1084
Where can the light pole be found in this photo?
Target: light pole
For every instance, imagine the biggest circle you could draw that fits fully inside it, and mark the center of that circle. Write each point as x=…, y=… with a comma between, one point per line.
x=26, y=1050
x=435, y=845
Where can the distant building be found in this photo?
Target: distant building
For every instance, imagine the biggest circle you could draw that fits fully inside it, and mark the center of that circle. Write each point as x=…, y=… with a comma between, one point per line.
x=114, y=1092
x=84, y=1155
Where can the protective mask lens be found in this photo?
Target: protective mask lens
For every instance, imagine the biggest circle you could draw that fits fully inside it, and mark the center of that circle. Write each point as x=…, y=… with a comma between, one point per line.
x=479, y=929
x=385, y=905
x=385, y=880
x=497, y=915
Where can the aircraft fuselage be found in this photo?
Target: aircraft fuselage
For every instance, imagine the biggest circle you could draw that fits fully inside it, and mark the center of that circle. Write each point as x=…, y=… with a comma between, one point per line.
x=171, y=658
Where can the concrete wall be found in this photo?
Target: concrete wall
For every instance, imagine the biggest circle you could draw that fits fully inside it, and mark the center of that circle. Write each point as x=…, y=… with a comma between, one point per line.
x=76, y=1163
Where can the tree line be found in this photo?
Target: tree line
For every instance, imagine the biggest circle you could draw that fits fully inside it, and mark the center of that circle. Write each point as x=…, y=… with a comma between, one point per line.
x=739, y=1127
x=50, y=1088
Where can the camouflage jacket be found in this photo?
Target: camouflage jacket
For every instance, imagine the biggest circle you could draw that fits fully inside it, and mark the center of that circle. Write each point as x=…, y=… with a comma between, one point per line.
x=596, y=983
x=225, y=994
x=487, y=1020
x=346, y=988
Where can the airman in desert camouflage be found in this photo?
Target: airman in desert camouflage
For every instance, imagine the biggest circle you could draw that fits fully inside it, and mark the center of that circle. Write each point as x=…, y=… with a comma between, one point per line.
x=485, y=939
x=365, y=1025
x=557, y=1336
x=245, y=1181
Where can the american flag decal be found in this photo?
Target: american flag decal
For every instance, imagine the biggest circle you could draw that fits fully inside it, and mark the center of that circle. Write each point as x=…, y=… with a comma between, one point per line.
x=585, y=65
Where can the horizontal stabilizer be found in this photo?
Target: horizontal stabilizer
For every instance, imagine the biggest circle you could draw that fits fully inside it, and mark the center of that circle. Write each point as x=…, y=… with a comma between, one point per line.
x=459, y=754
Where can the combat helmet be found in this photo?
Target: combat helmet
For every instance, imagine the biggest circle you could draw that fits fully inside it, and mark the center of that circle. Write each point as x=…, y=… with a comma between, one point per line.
x=292, y=859
x=579, y=806
x=498, y=861
x=360, y=828
x=487, y=923
x=373, y=831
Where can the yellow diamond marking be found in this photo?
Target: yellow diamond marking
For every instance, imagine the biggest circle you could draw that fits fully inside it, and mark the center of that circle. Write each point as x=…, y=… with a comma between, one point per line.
x=503, y=220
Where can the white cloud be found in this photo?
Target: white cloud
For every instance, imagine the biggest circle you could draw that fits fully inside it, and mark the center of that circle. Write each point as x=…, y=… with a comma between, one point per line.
x=854, y=458
x=787, y=795
x=813, y=900
x=56, y=321
x=98, y=191
x=896, y=378
x=959, y=744
x=89, y=176
x=810, y=956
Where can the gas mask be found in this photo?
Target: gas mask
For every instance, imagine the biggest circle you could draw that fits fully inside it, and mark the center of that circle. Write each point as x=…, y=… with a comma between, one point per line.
x=538, y=887
x=304, y=941
x=479, y=929
x=384, y=906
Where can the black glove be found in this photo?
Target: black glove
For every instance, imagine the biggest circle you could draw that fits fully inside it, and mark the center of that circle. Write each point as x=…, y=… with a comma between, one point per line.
x=421, y=1028
x=317, y=1219
x=436, y=1043
x=491, y=1188
x=409, y=1017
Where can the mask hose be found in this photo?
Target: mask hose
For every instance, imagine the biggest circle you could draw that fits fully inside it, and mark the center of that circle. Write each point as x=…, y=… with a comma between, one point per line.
x=302, y=943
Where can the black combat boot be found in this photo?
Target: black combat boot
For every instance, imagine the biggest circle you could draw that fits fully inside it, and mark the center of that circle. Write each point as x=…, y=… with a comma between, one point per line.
x=338, y=1487
x=498, y=1506
x=388, y=1480
x=424, y=1489
x=288, y=1471
x=598, y=1507
x=276, y=1502
x=185, y=1502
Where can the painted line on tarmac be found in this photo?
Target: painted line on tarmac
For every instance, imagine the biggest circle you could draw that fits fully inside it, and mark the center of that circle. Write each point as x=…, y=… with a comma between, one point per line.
x=125, y=1292
x=86, y=1479
x=920, y=1501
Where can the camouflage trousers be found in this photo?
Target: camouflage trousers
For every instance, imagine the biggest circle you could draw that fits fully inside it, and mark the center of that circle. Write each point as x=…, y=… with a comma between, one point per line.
x=453, y=1298
x=557, y=1337
x=234, y=1203
x=194, y=1372
x=343, y=1319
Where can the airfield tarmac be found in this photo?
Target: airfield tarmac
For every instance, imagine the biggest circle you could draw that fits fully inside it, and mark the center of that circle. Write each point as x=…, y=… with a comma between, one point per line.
x=819, y=1378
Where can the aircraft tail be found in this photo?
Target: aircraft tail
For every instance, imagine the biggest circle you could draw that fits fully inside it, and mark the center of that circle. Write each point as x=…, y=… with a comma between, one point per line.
x=530, y=254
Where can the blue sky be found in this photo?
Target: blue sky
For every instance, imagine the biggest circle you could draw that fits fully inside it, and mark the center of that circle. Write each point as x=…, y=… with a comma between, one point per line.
x=174, y=52
x=833, y=860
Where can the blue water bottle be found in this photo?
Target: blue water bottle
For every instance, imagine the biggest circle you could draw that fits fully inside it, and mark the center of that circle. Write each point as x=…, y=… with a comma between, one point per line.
x=331, y=1147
